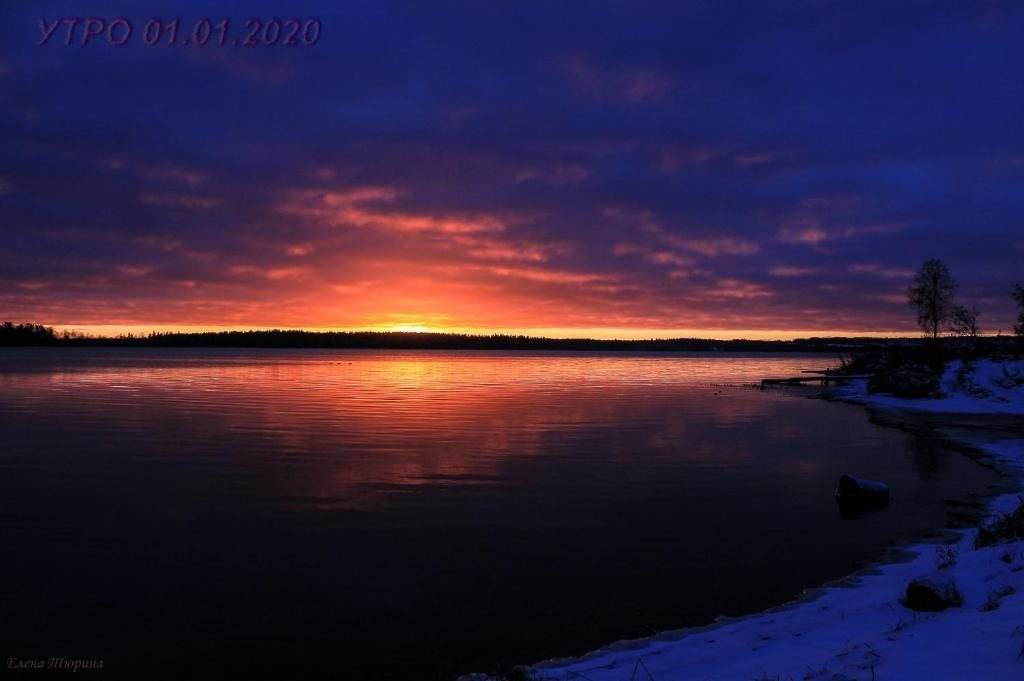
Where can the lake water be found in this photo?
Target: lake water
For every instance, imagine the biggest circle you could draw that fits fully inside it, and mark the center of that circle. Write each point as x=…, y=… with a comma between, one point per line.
x=416, y=515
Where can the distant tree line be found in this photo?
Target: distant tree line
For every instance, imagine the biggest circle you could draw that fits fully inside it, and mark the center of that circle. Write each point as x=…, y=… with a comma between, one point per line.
x=30, y=334
x=27, y=334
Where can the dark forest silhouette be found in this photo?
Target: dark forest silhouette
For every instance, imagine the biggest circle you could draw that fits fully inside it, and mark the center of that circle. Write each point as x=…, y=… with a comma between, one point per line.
x=27, y=334
x=34, y=334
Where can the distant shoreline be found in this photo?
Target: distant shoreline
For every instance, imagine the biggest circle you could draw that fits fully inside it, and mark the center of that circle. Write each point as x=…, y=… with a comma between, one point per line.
x=28, y=335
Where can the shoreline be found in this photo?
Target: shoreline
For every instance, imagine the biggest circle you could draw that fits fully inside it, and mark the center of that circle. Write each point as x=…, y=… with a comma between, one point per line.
x=844, y=614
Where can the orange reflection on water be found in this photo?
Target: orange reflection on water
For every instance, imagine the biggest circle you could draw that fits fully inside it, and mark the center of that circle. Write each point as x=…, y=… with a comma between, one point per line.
x=352, y=429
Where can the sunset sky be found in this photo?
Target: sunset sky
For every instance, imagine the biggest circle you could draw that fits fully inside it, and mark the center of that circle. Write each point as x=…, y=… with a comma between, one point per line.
x=616, y=169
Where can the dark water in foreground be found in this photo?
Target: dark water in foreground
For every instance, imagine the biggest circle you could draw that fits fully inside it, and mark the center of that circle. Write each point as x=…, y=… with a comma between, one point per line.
x=416, y=515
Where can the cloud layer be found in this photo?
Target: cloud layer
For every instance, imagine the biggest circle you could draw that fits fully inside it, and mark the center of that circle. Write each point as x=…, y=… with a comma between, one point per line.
x=609, y=169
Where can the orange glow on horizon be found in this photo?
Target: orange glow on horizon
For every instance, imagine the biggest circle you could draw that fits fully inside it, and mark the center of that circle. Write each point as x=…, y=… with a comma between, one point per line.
x=114, y=330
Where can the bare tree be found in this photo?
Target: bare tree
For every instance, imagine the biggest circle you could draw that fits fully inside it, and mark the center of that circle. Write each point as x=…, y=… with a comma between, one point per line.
x=963, y=321
x=1018, y=297
x=931, y=294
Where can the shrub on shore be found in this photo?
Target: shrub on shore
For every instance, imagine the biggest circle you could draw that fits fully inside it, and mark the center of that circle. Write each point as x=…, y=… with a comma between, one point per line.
x=912, y=380
x=1005, y=527
x=915, y=368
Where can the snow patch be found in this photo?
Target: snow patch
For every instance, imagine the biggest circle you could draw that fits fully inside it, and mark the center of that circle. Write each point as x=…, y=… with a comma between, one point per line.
x=982, y=387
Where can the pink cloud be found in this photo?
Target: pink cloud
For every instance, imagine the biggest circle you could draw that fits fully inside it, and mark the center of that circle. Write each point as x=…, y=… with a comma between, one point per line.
x=561, y=175
x=751, y=160
x=369, y=207
x=166, y=172
x=881, y=271
x=791, y=271
x=278, y=273
x=654, y=255
x=489, y=248
x=669, y=258
x=803, y=235
x=172, y=200
x=546, y=275
x=821, y=219
x=617, y=84
x=133, y=270
x=668, y=160
x=736, y=288
x=297, y=250
x=713, y=247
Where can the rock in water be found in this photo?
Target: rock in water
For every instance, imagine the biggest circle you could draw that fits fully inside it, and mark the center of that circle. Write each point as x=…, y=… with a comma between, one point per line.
x=933, y=593
x=852, y=489
x=858, y=496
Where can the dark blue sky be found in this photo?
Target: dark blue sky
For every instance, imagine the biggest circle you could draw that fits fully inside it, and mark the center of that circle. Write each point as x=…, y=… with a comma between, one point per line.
x=609, y=168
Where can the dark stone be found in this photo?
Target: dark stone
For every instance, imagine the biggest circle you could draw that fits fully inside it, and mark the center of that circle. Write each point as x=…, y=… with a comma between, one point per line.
x=933, y=593
x=857, y=496
x=856, y=490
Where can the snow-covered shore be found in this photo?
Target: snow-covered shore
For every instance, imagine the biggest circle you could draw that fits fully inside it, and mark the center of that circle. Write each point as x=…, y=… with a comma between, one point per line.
x=983, y=387
x=859, y=628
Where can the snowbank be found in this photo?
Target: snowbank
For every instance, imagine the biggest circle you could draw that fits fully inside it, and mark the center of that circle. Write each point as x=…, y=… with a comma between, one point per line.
x=860, y=629
x=983, y=387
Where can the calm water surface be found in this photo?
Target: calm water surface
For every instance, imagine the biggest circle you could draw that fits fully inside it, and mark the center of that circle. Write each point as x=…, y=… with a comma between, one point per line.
x=416, y=515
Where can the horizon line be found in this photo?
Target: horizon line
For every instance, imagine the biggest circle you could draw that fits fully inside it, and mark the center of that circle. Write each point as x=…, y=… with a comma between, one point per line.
x=113, y=331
